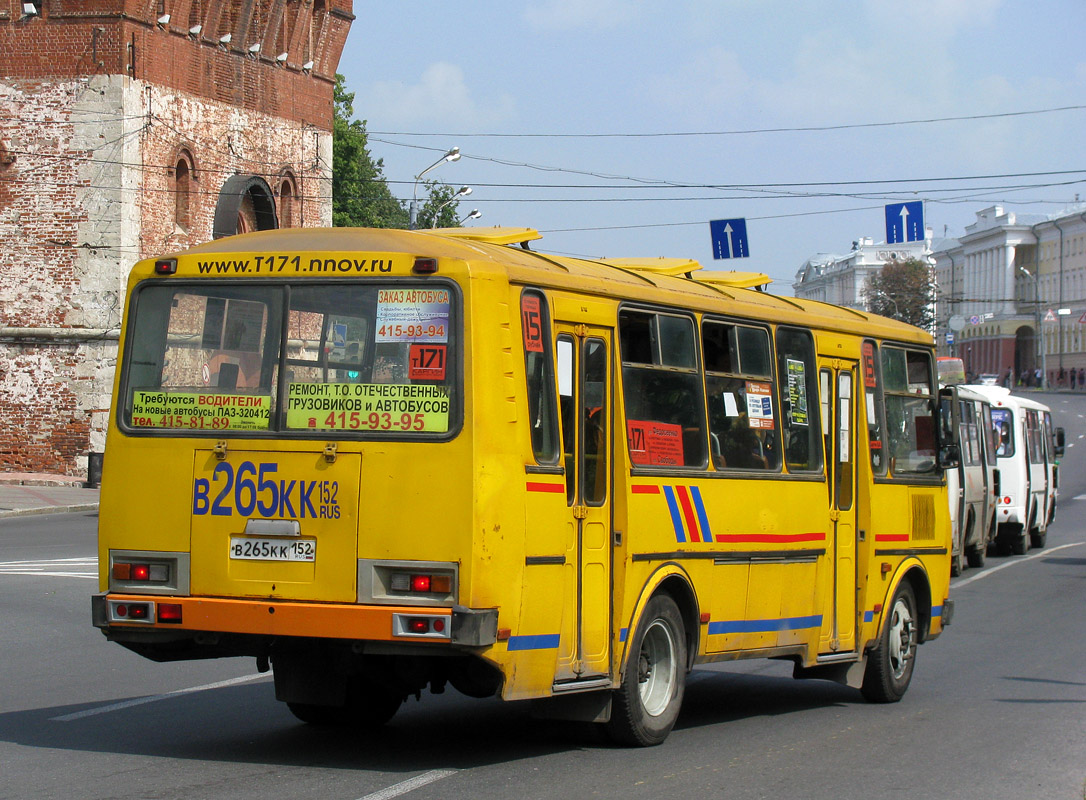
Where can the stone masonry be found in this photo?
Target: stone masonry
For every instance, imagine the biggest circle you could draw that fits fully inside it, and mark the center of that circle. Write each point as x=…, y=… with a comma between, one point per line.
x=135, y=129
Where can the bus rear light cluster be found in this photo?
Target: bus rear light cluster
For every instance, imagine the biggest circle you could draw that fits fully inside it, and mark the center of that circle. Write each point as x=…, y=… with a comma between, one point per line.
x=420, y=583
x=421, y=626
x=154, y=573
x=144, y=611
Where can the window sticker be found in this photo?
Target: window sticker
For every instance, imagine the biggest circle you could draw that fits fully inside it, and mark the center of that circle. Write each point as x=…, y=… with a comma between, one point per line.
x=531, y=320
x=201, y=411
x=427, y=362
x=657, y=443
x=412, y=315
x=368, y=407
x=731, y=408
x=760, y=405
x=870, y=379
x=797, y=391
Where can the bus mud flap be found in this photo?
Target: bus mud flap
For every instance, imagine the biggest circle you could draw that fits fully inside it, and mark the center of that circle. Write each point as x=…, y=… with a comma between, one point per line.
x=847, y=673
x=578, y=707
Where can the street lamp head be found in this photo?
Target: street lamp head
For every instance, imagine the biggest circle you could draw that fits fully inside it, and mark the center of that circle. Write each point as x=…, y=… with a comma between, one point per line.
x=453, y=154
x=463, y=192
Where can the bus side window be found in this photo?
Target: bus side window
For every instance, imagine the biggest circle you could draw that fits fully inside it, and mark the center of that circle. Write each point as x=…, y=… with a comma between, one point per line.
x=568, y=411
x=539, y=375
x=662, y=387
x=739, y=393
x=797, y=388
x=910, y=424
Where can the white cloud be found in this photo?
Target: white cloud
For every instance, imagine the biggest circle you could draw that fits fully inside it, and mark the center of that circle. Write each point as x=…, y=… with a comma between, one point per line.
x=441, y=97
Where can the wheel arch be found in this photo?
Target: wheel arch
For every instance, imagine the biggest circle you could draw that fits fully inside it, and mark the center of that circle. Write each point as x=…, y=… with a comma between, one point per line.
x=671, y=579
x=915, y=575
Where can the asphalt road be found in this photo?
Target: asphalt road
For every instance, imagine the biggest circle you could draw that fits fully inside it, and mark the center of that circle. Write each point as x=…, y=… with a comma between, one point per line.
x=997, y=706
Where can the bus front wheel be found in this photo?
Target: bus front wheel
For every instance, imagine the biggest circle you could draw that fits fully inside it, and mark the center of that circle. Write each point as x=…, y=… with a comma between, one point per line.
x=890, y=665
x=645, y=708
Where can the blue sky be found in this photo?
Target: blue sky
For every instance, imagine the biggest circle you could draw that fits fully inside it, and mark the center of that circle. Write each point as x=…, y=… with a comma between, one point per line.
x=622, y=127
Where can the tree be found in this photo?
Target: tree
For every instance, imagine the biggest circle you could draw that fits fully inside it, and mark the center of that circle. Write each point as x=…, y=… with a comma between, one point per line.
x=902, y=290
x=360, y=193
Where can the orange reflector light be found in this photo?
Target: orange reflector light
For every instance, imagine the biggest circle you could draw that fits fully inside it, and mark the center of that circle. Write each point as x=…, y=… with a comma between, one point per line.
x=425, y=266
x=122, y=572
x=169, y=612
x=441, y=583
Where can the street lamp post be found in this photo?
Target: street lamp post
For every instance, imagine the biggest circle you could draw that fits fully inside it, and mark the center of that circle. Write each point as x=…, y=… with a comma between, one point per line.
x=464, y=191
x=453, y=154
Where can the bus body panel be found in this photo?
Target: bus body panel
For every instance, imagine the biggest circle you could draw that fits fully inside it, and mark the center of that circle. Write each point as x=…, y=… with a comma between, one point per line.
x=552, y=556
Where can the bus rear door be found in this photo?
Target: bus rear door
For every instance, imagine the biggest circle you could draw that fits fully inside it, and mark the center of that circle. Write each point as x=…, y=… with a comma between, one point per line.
x=585, y=396
x=837, y=379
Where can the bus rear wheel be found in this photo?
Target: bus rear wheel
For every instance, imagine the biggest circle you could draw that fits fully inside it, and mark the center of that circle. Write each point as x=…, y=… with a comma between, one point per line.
x=890, y=665
x=645, y=708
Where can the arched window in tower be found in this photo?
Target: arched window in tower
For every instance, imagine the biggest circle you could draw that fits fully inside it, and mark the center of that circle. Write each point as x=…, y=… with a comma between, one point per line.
x=289, y=205
x=184, y=175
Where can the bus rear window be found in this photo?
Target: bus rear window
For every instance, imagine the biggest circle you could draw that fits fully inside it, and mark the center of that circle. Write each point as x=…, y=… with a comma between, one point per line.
x=310, y=358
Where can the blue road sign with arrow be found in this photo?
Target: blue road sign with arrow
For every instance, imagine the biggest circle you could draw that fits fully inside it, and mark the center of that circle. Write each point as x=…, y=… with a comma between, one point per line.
x=729, y=238
x=905, y=222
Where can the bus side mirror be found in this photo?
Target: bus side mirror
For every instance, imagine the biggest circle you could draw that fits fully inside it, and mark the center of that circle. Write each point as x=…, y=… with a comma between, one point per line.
x=950, y=455
x=1060, y=442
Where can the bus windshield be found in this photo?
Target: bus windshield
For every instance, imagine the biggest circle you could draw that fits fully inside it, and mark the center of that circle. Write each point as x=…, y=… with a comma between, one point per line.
x=308, y=357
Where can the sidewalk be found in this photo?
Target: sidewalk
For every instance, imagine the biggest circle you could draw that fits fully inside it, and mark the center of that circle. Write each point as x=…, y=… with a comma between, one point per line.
x=33, y=493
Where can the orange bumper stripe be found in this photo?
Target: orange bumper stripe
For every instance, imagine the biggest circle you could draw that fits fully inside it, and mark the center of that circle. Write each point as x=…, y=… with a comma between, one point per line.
x=274, y=618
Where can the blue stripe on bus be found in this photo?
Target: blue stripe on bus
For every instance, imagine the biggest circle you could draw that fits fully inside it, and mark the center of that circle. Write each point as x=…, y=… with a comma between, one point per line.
x=765, y=625
x=703, y=518
x=623, y=632
x=868, y=616
x=542, y=641
x=937, y=611
x=676, y=517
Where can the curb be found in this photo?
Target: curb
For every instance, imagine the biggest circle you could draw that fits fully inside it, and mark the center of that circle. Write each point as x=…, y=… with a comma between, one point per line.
x=27, y=512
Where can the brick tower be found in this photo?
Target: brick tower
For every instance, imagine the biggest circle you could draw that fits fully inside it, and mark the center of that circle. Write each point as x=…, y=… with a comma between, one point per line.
x=132, y=128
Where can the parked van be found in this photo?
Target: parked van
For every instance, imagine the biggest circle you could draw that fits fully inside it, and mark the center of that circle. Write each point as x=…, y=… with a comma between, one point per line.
x=973, y=487
x=1026, y=457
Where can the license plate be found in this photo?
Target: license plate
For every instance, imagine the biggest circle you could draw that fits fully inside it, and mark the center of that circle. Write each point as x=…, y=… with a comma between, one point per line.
x=250, y=549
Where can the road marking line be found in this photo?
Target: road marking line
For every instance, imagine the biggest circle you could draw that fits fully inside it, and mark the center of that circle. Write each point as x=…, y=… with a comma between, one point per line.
x=994, y=570
x=90, y=712
x=403, y=787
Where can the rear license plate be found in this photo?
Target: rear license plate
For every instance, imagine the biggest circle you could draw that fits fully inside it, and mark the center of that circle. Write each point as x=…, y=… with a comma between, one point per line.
x=244, y=548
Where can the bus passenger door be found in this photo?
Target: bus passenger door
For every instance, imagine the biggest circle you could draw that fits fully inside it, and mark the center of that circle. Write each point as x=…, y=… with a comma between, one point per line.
x=837, y=380
x=585, y=396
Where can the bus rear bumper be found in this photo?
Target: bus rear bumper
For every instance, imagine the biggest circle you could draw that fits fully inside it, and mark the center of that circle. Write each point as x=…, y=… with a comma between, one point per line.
x=127, y=616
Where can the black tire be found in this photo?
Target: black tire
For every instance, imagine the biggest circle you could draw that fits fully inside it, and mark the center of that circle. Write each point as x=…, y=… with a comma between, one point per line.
x=1038, y=538
x=644, y=709
x=1020, y=543
x=890, y=665
x=368, y=706
x=975, y=555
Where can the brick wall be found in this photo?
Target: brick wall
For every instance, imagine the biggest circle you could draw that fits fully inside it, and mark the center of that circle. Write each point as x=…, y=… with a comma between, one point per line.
x=89, y=177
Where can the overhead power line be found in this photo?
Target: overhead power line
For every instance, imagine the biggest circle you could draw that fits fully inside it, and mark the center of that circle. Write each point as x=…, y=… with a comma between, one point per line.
x=744, y=131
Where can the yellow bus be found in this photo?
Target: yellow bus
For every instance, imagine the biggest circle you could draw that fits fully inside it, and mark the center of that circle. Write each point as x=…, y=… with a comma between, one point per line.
x=382, y=461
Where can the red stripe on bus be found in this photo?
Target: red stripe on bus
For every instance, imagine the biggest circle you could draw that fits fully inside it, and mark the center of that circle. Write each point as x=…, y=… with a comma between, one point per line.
x=688, y=513
x=635, y=489
x=551, y=488
x=771, y=537
x=891, y=537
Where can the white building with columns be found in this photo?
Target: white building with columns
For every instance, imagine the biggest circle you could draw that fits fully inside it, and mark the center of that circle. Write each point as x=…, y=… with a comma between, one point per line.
x=1015, y=287
x=840, y=279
